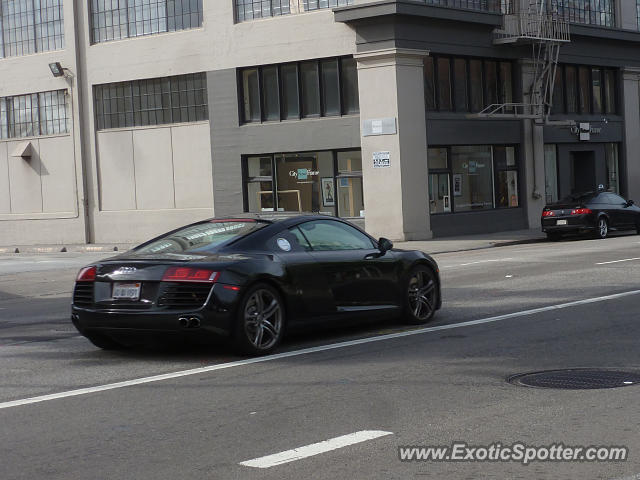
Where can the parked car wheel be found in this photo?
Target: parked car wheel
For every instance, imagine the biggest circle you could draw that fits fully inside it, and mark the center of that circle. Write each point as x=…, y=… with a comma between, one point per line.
x=421, y=296
x=603, y=228
x=260, y=321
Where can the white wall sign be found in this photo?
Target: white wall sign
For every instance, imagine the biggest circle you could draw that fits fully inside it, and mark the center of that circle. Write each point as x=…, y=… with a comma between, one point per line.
x=379, y=126
x=381, y=160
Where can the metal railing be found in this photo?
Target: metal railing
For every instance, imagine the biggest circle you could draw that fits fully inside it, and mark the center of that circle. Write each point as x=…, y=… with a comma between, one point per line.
x=525, y=25
x=253, y=9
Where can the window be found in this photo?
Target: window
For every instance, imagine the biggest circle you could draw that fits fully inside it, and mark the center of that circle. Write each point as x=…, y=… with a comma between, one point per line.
x=157, y=101
x=328, y=182
x=250, y=9
x=611, y=156
x=332, y=235
x=30, y=26
x=550, y=173
x=470, y=178
x=118, y=19
x=585, y=90
x=45, y=113
x=327, y=87
x=466, y=85
x=591, y=12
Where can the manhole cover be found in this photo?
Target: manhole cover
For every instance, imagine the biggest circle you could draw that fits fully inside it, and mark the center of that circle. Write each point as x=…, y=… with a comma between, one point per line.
x=577, y=379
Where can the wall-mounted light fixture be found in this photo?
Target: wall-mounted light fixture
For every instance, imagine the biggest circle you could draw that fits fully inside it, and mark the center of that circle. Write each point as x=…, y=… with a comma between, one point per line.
x=56, y=69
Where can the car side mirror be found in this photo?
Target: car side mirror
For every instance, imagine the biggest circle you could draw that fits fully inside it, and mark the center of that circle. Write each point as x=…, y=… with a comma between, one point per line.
x=384, y=245
x=630, y=202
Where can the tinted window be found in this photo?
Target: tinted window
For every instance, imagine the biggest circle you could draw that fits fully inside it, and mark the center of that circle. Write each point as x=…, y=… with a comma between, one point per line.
x=330, y=235
x=201, y=237
x=302, y=241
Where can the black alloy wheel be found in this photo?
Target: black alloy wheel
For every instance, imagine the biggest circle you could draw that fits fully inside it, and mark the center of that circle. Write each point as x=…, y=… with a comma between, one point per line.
x=603, y=228
x=260, y=323
x=421, y=296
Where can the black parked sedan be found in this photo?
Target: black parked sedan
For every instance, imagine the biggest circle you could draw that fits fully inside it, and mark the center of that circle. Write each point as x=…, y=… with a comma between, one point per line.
x=596, y=213
x=250, y=279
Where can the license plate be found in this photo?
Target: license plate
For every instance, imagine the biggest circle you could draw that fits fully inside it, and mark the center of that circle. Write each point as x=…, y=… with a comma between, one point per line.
x=561, y=222
x=126, y=291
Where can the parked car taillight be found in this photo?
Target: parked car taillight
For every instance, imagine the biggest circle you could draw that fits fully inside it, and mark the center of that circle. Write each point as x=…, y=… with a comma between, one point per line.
x=548, y=213
x=87, y=274
x=187, y=274
x=580, y=211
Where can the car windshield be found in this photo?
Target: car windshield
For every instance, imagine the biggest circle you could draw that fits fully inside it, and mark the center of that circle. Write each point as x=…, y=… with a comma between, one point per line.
x=203, y=237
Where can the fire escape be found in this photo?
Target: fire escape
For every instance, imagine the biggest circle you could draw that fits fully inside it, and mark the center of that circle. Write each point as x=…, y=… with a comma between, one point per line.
x=540, y=26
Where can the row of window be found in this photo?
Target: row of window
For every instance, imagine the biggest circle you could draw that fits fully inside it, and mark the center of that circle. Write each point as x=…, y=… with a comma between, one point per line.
x=470, y=178
x=30, y=26
x=466, y=84
x=586, y=90
x=590, y=12
x=117, y=19
x=250, y=9
x=323, y=182
x=299, y=90
x=155, y=101
x=44, y=113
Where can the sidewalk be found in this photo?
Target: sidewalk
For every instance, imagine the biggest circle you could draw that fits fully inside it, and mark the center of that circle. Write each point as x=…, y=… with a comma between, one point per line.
x=474, y=242
x=436, y=245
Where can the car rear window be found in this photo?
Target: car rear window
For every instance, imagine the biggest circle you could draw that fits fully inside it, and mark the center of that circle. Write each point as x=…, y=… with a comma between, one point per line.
x=202, y=237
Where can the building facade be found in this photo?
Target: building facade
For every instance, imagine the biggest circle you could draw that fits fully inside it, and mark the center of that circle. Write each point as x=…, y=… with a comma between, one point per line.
x=164, y=112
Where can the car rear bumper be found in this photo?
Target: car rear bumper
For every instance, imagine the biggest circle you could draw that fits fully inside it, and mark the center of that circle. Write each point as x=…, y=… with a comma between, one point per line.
x=575, y=224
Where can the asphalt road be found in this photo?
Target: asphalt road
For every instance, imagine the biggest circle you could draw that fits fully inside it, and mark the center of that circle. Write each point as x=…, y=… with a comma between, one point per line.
x=432, y=386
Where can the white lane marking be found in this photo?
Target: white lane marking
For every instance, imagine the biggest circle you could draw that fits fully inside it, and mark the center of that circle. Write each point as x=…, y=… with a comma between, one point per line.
x=484, y=261
x=632, y=477
x=618, y=261
x=305, y=351
x=314, y=449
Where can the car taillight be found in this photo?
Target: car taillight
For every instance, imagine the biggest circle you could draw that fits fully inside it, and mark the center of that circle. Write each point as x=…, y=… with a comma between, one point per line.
x=580, y=211
x=188, y=274
x=548, y=213
x=87, y=274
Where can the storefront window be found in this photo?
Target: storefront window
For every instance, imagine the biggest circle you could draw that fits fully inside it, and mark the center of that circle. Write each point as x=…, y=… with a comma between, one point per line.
x=469, y=178
x=473, y=177
x=349, y=181
x=550, y=173
x=611, y=154
x=320, y=182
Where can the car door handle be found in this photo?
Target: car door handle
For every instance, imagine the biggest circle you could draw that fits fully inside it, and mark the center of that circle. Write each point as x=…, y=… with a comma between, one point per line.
x=371, y=256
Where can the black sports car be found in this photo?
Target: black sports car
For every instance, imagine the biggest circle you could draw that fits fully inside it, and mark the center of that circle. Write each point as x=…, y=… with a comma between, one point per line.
x=596, y=213
x=250, y=279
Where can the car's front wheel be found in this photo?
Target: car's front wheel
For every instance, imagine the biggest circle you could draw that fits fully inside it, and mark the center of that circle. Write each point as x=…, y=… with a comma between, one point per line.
x=260, y=322
x=421, y=296
x=603, y=228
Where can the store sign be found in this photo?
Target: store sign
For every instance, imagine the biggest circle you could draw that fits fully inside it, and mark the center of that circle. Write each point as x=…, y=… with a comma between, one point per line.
x=303, y=173
x=585, y=130
x=381, y=160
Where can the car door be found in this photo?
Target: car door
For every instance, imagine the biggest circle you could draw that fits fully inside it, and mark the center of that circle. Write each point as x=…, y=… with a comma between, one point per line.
x=307, y=284
x=359, y=276
x=624, y=212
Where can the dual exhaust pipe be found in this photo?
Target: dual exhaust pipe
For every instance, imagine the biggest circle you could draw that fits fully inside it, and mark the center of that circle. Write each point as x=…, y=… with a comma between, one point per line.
x=189, y=322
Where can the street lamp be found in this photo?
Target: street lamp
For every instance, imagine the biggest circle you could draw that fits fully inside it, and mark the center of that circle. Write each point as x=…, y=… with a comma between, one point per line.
x=56, y=69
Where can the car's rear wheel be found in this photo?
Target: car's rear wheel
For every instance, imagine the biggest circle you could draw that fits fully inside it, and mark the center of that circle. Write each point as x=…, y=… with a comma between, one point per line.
x=421, y=296
x=104, y=342
x=553, y=236
x=260, y=322
x=603, y=228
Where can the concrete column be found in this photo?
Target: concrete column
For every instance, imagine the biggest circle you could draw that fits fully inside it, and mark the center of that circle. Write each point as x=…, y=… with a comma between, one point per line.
x=396, y=198
x=630, y=171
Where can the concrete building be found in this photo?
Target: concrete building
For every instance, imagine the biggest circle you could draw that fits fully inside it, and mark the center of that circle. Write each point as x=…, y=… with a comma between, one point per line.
x=165, y=112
